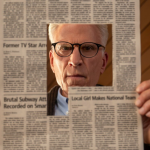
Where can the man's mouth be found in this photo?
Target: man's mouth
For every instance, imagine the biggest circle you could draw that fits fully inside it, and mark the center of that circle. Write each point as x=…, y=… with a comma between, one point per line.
x=76, y=76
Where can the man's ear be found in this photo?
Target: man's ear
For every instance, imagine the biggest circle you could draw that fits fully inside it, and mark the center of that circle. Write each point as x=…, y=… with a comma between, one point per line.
x=105, y=60
x=51, y=58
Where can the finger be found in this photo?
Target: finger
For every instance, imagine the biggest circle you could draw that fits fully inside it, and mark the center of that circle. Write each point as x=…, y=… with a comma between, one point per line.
x=143, y=97
x=143, y=86
x=148, y=114
x=145, y=109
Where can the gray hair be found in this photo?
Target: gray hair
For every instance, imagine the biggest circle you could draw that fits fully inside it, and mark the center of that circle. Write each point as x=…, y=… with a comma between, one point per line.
x=102, y=28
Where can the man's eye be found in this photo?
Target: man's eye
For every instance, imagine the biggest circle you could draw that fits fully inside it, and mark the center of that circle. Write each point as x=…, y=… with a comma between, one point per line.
x=87, y=48
x=66, y=48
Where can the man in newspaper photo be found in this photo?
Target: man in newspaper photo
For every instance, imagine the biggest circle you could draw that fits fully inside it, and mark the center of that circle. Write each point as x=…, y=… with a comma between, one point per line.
x=78, y=58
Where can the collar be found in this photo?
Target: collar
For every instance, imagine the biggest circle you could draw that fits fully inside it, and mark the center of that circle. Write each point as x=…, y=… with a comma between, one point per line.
x=61, y=102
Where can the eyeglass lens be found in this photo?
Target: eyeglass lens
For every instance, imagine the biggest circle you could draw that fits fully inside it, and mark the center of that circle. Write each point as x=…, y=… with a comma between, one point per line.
x=86, y=49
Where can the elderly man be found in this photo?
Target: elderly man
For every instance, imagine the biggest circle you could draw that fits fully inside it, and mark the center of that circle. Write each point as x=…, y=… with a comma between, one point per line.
x=78, y=58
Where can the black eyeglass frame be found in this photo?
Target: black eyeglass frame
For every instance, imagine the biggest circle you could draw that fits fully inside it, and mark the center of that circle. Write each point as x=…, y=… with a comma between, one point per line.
x=98, y=46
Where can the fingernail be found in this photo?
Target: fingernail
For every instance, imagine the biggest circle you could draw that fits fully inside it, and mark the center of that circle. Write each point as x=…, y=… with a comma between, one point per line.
x=137, y=102
x=141, y=111
x=148, y=114
x=138, y=89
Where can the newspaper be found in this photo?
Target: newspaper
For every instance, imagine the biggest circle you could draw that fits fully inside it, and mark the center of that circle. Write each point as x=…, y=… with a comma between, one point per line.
x=99, y=117
x=104, y=120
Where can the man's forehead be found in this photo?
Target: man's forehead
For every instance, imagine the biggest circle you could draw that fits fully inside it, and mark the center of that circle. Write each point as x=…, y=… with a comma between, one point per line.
x=75, y=31
x=78, y=27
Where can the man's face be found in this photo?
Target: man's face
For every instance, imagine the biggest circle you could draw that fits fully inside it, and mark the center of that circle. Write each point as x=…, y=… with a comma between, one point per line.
x=76, y=70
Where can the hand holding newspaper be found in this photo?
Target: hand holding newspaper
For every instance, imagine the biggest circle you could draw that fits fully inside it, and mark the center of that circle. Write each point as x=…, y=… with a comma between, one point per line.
x=143, y=103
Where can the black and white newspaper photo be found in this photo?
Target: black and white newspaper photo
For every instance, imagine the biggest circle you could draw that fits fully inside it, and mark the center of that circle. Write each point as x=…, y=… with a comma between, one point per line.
x=75, y=75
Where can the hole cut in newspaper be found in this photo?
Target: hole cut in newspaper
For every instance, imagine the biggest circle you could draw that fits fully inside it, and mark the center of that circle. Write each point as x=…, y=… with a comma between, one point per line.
x=77, y=55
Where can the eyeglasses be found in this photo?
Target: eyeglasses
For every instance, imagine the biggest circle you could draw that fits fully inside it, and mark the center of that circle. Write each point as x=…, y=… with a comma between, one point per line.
x=87, y=49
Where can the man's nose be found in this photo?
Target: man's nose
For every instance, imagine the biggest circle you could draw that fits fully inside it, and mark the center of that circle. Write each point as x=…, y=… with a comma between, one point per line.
x=75, y=58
